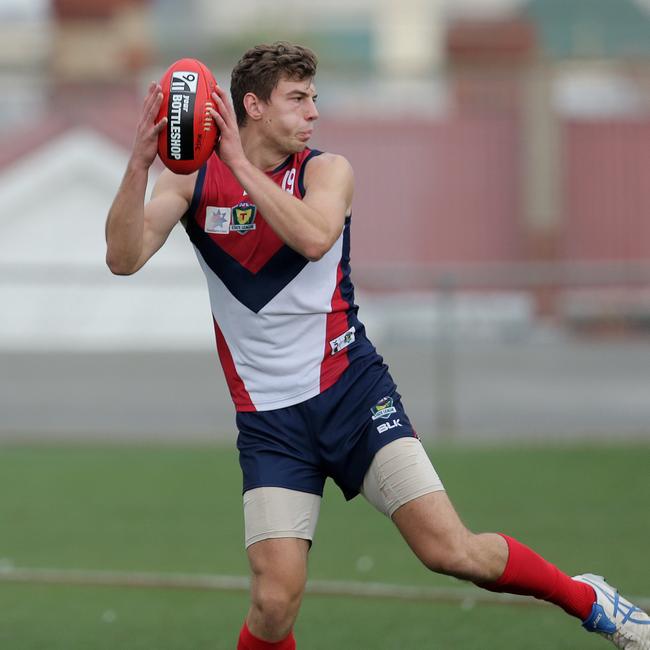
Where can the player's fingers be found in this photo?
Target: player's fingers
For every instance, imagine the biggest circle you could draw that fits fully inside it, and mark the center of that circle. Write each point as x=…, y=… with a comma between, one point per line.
x=224, y=109
x=228, y=111
x=150, y=98
x=160, y=126
x=215, y=113
x=216, y=116
x=155, y=106
x=222, y=92
x=147, y=97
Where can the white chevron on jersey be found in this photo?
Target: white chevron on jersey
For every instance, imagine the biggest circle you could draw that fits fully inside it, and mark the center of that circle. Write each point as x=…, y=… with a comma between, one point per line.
x=278, y=351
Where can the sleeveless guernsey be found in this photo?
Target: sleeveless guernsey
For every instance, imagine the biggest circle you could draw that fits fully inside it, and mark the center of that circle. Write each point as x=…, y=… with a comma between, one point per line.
x=286, y=328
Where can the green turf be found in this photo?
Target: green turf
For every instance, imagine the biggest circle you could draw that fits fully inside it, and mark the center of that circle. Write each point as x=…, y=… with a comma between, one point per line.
x=179, y=509
x=65, y=618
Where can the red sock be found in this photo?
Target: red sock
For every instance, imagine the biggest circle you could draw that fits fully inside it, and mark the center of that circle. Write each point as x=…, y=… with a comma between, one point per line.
x=529, y=574
x=249, y=642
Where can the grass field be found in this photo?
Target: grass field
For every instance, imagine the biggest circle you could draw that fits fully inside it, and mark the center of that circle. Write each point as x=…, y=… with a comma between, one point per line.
x=173, y=509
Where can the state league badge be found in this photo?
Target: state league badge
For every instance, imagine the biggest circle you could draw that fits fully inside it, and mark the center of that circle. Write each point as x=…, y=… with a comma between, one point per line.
x=383, y=408
x=243, y=218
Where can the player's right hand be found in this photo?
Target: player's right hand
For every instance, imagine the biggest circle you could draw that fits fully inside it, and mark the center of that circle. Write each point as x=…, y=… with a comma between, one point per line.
x=145, y=146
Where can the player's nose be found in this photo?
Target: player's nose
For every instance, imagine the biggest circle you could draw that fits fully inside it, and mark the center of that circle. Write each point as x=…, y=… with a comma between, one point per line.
x=312, y=111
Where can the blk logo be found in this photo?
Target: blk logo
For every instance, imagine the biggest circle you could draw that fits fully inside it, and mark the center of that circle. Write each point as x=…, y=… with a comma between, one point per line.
x=387, y=426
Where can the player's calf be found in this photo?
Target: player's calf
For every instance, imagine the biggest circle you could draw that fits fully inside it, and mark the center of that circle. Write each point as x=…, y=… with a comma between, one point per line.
x=443, y=544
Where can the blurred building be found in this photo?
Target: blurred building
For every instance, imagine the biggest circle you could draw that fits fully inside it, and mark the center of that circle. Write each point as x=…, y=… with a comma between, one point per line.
x=100, y=40
x=501, y=153
x=25, y=45
x=496, y=143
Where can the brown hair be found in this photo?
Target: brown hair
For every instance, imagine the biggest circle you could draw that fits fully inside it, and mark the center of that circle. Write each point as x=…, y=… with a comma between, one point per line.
x=261, y=67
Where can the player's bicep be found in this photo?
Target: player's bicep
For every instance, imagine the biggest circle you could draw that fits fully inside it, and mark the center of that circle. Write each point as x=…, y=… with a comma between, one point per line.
x=169, y=202
x=161, y=214
x=329, y=187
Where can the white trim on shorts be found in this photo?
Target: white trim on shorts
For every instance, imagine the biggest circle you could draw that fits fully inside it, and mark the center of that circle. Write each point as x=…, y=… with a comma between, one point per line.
x=274, y=512
x=400, y=472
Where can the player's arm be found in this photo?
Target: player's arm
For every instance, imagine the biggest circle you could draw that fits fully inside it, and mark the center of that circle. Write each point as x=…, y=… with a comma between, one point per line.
x=135, y=231
x=310, y=226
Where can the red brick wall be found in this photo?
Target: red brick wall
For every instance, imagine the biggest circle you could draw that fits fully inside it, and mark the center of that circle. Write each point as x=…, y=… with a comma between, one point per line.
x=606, y=191
x=432, y=192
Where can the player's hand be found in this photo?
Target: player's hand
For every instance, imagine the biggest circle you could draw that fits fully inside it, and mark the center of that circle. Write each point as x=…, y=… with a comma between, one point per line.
x=229, y=147
x=145, y=146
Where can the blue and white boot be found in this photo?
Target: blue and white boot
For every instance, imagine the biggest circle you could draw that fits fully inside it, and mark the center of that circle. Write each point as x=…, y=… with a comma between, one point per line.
x=624, y=624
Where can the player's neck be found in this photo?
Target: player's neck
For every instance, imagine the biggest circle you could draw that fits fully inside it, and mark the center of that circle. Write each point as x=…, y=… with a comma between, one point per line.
x=260, y=152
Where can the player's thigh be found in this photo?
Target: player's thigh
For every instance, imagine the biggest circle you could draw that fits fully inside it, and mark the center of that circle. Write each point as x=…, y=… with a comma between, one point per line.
x=403, y=484
x=280, y=526
x=280, y=513
x=400, y=473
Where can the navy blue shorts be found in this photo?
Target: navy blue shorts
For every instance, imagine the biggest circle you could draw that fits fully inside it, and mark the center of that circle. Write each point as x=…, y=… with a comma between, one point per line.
x=335, y=434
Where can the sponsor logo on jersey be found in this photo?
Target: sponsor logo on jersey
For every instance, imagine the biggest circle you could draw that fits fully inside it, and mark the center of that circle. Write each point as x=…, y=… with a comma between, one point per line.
x=387, y=426
x=383, y=408
x=243, y=218
x=342, y=342
x=217, y=220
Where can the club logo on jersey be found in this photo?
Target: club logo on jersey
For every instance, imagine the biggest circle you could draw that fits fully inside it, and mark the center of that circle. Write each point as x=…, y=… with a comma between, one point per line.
x=383, y=409
x=342, y=342
x=217, y=220
x=243, y=218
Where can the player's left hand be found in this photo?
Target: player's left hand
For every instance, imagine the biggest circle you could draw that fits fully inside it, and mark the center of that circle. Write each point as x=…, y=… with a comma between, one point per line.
x=229, y=147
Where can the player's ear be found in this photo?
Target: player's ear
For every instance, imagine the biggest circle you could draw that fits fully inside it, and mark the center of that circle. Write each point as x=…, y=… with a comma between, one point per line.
x=254, y=106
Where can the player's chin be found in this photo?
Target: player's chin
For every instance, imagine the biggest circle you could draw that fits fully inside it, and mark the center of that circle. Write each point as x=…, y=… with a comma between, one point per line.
x=297, y=146
x=301, y=147
x=302, y=140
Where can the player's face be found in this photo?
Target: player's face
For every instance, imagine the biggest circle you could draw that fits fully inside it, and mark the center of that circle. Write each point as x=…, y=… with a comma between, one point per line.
x=290, y=114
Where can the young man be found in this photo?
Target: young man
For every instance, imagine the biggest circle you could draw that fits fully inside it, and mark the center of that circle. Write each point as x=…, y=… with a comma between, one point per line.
x=270, y=220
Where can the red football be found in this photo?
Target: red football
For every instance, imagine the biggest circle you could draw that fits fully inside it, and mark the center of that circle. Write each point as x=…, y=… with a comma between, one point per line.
x=191, y=133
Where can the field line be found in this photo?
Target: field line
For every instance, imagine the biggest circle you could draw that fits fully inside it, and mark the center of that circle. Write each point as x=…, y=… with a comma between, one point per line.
x=465, y=596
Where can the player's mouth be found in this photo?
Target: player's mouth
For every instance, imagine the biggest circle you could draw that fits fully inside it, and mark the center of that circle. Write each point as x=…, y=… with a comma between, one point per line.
x=304, y=135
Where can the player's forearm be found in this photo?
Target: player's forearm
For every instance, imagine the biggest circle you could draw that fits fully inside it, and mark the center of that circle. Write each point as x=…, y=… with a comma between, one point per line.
x=296, y=223
x=125, y=222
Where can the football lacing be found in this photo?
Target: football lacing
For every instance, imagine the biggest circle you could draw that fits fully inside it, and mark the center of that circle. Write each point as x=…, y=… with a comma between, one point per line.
x=207, y=121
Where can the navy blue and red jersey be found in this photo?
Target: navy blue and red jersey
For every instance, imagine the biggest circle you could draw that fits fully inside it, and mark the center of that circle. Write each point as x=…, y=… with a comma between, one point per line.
x=286, y=328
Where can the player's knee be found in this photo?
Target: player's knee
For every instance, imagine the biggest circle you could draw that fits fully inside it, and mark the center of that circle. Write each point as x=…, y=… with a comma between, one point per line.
x=277, y=605
x=449, y=556
x=451, y=562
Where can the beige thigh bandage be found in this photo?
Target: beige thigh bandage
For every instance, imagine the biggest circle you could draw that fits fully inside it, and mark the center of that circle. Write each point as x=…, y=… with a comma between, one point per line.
x=400, y=472
x=272, y=512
